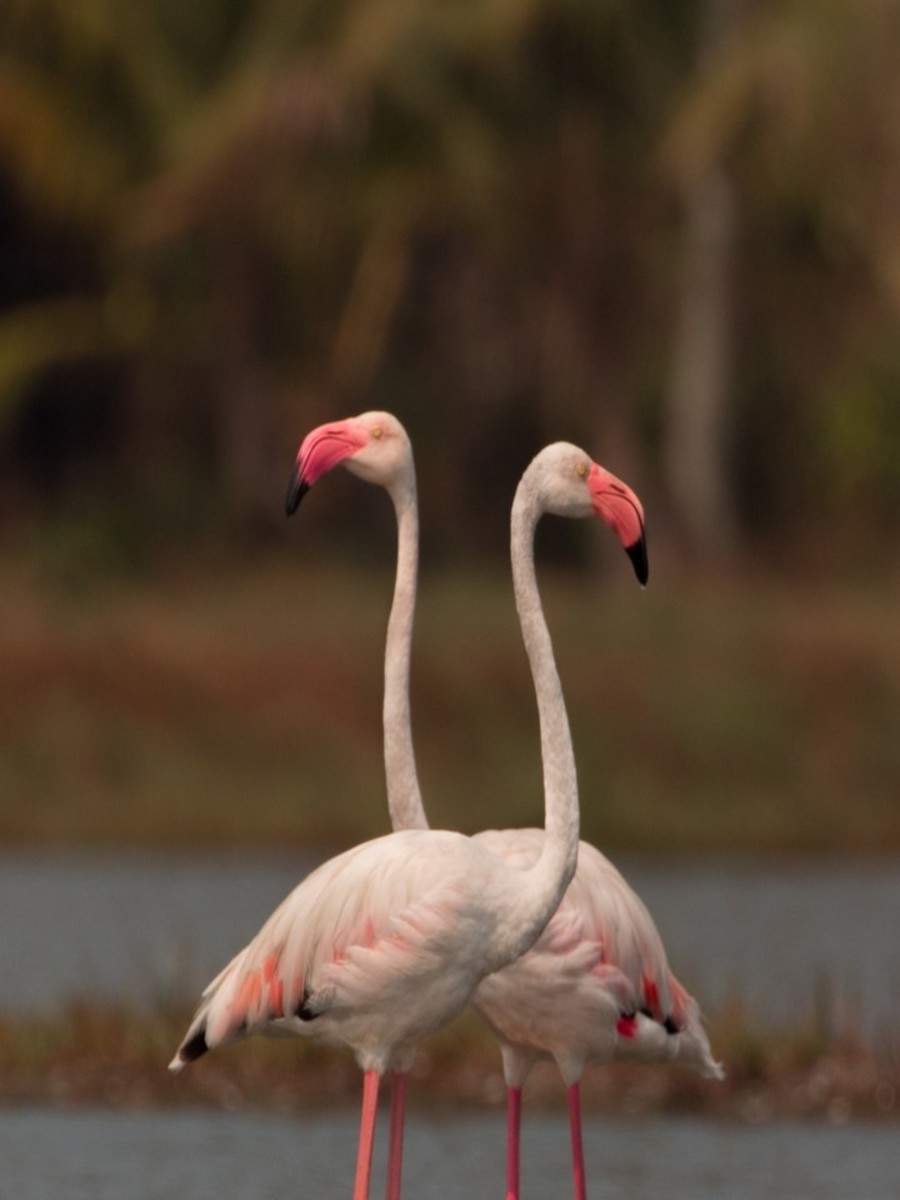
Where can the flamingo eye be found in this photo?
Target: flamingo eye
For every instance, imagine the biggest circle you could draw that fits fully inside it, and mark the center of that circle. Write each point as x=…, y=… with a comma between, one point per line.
x=376, y=431
x=581, y=470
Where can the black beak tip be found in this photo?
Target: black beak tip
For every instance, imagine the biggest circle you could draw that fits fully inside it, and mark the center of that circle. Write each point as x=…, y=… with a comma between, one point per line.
x=638, y=555
x=297, y=489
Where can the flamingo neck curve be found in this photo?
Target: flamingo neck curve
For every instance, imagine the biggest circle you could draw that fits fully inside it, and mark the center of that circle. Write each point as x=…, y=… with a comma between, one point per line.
x=403, y=791
x=540, y=889
x=544, y=884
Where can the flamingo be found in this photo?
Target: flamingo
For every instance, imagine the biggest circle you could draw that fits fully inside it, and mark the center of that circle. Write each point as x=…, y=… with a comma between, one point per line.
x=385, y=943
x=596, y=986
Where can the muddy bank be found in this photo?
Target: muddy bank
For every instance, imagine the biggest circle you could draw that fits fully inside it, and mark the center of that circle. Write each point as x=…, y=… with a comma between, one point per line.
x=113, y=1056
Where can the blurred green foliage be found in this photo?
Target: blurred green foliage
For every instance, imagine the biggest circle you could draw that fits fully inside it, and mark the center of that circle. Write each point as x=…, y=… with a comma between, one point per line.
x=224, y=221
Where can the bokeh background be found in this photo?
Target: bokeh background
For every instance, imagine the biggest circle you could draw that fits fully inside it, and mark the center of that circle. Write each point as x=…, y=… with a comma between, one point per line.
x=668, y=231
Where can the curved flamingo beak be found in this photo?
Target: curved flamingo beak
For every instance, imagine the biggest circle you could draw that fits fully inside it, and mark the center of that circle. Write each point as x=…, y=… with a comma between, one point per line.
x=617, y=505
x=321, y=451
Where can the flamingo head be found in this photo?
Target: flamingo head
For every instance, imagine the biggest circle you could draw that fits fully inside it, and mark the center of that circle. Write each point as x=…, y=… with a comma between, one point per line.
x=373, y=446
x=571, y=484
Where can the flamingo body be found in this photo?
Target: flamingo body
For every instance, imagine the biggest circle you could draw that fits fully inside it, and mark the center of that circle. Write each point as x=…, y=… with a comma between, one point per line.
x=386, y=943
x=596, y=986
x=412, y=914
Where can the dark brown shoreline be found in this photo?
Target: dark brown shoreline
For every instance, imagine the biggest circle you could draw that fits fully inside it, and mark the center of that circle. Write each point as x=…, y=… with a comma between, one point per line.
x=90, y=1055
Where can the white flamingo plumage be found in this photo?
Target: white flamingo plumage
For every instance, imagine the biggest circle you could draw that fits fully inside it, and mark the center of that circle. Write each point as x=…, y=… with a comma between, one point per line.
x=385, y=943
x=596, y=986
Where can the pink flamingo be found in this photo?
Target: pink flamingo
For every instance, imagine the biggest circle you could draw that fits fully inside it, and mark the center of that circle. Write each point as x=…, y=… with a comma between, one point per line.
x=384, y=944
x=596, y=986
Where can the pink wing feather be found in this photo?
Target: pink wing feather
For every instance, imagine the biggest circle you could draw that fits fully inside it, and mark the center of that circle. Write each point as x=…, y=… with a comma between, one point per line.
x=354, y=928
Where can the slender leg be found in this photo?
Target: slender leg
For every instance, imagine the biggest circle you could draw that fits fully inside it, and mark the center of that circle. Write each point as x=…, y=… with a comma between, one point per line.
x=395, y=1148
x=513, y=1124
x=371, y=1081
x=574, y=1097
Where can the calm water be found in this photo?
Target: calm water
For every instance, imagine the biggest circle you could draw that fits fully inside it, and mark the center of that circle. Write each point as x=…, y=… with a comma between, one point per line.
x=200, y=1156
x=139, y=926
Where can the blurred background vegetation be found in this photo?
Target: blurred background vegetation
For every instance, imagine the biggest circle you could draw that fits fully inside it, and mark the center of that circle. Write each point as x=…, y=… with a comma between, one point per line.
x=667, y=230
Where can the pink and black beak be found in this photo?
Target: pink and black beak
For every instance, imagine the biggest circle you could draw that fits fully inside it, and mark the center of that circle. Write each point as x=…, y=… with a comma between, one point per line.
x=297, y=489
x=637, y=552
x=320, y=451
x=617, y=505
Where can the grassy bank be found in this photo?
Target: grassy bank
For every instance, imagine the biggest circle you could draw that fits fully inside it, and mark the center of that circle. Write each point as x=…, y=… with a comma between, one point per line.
x=90, y=1055
x=207, y=707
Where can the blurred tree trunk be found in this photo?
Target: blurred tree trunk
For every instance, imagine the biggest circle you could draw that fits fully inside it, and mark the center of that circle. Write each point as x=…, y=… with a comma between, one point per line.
x=696, y=426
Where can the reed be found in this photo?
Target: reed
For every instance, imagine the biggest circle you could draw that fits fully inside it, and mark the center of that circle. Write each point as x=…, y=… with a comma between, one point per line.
x=92, y=1054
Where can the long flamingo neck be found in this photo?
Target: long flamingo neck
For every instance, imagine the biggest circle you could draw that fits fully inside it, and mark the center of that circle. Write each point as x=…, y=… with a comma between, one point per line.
x=404, y=794
x=553, y=871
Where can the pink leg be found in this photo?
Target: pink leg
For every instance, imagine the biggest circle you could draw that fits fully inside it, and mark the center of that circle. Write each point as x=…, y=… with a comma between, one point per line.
x=371, y=1081
x=574, y=1098
x=513, y=1124
x=395, y=1150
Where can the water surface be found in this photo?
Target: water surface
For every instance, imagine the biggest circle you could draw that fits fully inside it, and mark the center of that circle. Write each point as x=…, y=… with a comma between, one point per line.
x=215, y=1156
x=138, y=926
